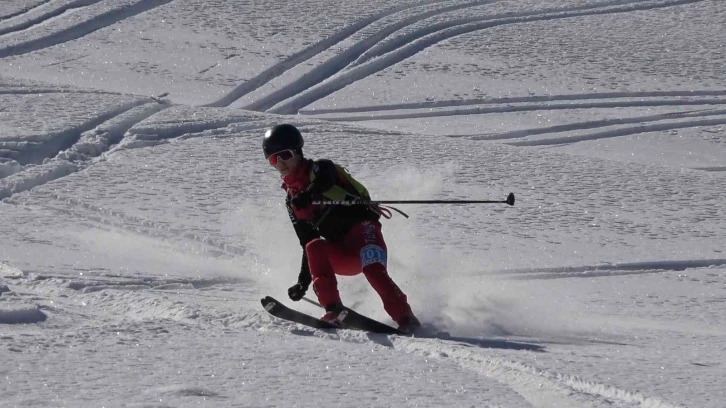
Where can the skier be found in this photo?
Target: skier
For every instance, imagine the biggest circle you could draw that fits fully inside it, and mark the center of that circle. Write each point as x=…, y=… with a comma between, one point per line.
x=336, y=239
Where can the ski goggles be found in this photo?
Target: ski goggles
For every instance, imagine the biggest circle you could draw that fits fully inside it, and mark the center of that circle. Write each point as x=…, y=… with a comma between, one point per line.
x=284, y=155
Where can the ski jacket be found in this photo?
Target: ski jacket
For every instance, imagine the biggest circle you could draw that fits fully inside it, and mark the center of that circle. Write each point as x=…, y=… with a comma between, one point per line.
x=325, y=180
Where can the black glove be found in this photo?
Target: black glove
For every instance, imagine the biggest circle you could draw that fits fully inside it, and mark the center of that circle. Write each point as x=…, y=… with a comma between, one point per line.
x=297, y=291
x=302, y=200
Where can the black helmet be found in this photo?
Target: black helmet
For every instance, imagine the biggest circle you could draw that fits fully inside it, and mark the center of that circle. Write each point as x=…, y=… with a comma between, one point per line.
x=282, y=137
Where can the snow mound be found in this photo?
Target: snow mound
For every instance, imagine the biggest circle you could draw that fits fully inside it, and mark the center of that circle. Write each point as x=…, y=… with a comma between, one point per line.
x=10, y=271
x=35, y=176
x=9, y=167
x=20, y=314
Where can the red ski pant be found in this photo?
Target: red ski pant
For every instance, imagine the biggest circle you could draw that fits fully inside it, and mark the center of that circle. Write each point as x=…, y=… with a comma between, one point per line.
x=362, y=250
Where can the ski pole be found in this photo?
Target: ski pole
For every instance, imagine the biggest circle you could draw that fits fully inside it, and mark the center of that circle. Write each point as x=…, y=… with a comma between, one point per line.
x=509, y=200
x=312, y=302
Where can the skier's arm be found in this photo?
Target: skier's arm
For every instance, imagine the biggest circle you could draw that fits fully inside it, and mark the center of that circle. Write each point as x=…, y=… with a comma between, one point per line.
x=304, y=230
x=325, y=176
x=304, y=277
x=297, y=291
x=305, y=233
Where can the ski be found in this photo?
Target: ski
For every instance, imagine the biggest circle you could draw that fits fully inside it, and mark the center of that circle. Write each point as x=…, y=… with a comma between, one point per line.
x=350, y=319
x=281, y=311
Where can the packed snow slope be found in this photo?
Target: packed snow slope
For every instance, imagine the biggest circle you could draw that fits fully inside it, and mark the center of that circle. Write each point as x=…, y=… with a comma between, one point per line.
x=139, y=232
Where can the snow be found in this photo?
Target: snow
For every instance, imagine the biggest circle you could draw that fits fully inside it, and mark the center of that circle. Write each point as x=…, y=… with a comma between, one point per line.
x=141, y=224
x=16, y=314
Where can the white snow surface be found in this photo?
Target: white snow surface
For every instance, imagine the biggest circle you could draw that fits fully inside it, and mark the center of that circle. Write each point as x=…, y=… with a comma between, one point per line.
x=139, y=233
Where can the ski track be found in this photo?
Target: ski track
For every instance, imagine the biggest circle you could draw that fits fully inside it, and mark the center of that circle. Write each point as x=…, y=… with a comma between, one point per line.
x=366, y=49
x=540, y=387
x=627, y=131
x=386, y=47
x=479, y=110
x=45, y=16
x=105, y=134
x=79, y=30
x=409, y=47
x=64, y=139
x=509, y=100
x=36, y=91
x=158, y=134
x=72, y=149
x=26, y=10
x=632, y=268
x=301, y=56
x=340, y=61
x=124, y=302
x=599, y=103
x=595, y=124
x=641, y=121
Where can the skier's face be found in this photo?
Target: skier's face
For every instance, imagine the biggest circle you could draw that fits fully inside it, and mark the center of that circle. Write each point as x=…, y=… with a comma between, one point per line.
x=286, y=167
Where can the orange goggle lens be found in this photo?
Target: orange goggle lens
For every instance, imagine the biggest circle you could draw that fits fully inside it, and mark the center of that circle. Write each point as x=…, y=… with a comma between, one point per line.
x=284, y=155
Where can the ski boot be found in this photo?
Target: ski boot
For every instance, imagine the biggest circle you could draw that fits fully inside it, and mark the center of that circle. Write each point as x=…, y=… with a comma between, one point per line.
x=331, y=315
x=409, y=324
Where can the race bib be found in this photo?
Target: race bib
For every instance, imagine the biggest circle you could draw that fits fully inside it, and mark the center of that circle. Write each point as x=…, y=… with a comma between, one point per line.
x=371, y=254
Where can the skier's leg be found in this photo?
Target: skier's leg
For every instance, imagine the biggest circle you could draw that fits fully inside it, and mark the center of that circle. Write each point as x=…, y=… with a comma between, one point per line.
x=394, y=300
x=372, y=256
x=321, y=270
